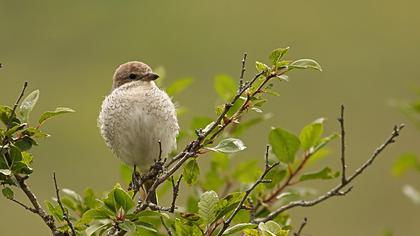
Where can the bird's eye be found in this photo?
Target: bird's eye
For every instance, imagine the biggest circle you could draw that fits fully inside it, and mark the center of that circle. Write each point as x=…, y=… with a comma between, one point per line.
x=132, y=76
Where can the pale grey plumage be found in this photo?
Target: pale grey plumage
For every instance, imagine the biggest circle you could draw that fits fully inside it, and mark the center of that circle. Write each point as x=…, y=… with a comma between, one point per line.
x=136, y=116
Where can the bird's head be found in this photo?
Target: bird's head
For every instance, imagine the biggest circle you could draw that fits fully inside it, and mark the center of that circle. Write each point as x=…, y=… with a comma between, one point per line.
x=133, y=71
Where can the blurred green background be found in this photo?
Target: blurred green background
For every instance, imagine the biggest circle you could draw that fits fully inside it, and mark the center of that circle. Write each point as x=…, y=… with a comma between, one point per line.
x=369, y=51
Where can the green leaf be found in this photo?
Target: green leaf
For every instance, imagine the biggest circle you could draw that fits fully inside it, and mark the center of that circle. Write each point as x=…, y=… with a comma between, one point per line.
x=35, y=133
x=94, y=228
x=25, y=143
x=311, y=134
x=58, y=111
x=27, y=158
x=275, y=175
x=225, y=86
x=72, y=194
x=90, y=199
x=27, y=105
x=228, y=203
x=272, y=228
x=5, y=113
x=117, y=199
x=229, y=145
x=305, y=64
x=324, y=141
x=128, y=226
x=246, y=171
x=178, y=86
x=191, y=172
x=404, y=163
x=325, y=173
x=284, y=144
x=251, y=232
x=239, y=227
x=55, y=211
x=260, y=67
x=278, y=54
x=146, y=226
x=8, y=193
x=207, y=206
x=123, y=199
x=6, y=172
x=97, y=214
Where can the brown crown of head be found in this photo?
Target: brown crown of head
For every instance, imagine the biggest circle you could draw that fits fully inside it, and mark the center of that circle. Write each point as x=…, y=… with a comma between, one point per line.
x=132, y=71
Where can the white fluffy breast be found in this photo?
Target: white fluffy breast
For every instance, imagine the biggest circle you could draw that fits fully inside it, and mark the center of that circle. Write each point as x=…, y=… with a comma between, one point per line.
x=134, y=118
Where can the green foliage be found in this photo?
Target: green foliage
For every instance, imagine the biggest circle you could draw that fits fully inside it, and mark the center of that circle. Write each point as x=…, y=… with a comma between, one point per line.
x=191, y=172
x=225, y=86
x=284, y=144
x=27, y=105
x=179, y=86
x=404, y=163
x=325, y=173
x=215, y=191
x=305, y=64
x=229, y=145
x=311, y=134
x=50, y=114
x=207, y=206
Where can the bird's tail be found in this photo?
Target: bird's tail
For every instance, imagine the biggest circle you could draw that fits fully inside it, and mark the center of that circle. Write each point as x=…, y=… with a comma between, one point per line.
x=153, y=197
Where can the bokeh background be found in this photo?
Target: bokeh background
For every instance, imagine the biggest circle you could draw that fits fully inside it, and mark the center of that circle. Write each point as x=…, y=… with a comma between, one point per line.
x=368, y=48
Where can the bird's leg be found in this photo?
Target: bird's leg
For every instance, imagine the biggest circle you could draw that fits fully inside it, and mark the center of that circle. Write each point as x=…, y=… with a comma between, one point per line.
x=135, y=181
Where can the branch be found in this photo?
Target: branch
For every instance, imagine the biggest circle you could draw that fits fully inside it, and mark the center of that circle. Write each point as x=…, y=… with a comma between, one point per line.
x=168, y=231
x=65, y=212
x=304, y=222
x=24, y=206
x=9, y=123
x=175, y=191
x=338, y=190
x=260, y=180
x=241, y=77
x=48, y=219
x=343, y=146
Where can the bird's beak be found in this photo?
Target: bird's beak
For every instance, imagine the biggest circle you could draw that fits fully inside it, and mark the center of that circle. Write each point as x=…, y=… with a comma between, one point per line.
x=150, y=76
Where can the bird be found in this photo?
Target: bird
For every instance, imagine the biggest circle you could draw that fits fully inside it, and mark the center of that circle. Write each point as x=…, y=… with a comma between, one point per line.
x=138, y=120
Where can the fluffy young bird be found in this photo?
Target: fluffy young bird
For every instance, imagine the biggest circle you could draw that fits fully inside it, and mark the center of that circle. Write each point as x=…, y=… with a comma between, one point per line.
x=136, y=116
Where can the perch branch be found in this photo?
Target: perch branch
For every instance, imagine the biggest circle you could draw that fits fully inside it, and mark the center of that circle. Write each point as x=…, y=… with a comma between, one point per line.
x=65, y=212
x=192, y=149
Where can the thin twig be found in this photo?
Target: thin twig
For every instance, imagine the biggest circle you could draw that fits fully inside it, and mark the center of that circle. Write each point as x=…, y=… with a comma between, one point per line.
x=175, y=191
x=48, y=219
x=343, y=146
x=260, y=180
x=165, y=226
x=241, y=77
x=304, y=222
x=338, y=190
x=65, y=212
x=9, y=123
x=24, y=206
